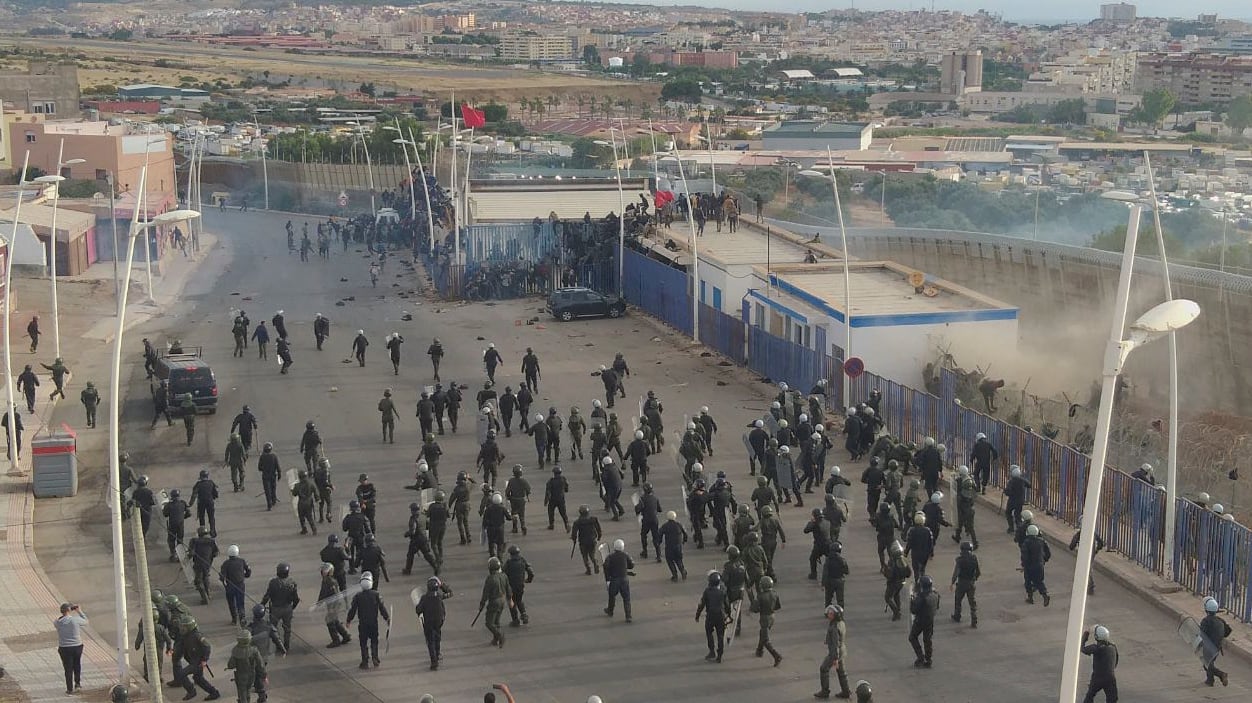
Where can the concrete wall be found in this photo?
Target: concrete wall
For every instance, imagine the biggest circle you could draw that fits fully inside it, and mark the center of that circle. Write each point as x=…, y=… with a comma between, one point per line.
x=1065, y=295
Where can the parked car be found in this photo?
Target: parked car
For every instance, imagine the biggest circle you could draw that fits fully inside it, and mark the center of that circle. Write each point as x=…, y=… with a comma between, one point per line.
x=565, y=304
x=188, y=373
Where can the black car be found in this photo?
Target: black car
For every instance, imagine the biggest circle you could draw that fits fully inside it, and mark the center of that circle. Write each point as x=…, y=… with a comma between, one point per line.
x=565, y=304
x=188, y=373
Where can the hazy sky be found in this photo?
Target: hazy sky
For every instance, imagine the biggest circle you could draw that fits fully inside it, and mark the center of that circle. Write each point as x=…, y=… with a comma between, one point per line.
x=1010, y=9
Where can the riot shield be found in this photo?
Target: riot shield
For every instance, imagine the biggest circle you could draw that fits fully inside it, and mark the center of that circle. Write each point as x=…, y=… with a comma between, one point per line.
x=686, y=510
x=634, y=501
x=747, y=444
x=415, y=595
x=736, y=612
x=184, y=563
x=1201, y=647
x=343, y=596
x=770, y=423
x=602, y=551
x=292, y=480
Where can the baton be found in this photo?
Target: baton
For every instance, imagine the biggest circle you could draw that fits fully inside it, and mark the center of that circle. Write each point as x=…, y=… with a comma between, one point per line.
x=572, y=547
x=480, y=612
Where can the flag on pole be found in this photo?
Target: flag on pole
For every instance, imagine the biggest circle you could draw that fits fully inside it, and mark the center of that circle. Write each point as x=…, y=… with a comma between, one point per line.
x=472, y=117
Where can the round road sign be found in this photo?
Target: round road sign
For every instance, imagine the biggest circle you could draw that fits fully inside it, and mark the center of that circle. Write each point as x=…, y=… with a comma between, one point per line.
x=854, y=367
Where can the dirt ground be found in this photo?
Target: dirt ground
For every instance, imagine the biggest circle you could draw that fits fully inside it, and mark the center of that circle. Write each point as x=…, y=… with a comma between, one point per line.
x=119, y=63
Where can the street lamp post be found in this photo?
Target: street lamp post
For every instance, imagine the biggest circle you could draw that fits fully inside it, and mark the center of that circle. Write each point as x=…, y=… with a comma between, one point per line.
x=137, y=229
x=10, y=406
x=695, y=255
x=847, y=273
x=1162, y=319
x=55, y=181
x=369, y=166
x=621, y=216
x=265, y=170
x=108, y=177
x=1171, y=474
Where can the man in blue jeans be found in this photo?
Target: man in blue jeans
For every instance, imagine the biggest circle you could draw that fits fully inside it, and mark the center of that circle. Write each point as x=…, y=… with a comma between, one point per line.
x=70, y=645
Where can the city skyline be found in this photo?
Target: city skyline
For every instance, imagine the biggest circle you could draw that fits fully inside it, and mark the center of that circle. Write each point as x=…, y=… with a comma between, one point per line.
x=1061, y=11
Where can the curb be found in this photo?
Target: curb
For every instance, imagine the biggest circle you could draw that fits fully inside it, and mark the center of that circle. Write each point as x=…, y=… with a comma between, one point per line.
x=1135, y=583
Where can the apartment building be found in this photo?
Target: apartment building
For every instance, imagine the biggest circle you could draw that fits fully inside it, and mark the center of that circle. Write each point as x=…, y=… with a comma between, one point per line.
x=1197, y=78
x=1086, y=71
x=1119, y=12
x=536, y=47
x=960, y=72
x=45, y=89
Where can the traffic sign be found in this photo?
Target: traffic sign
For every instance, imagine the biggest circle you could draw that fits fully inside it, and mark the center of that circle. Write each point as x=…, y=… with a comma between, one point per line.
x=854, y=367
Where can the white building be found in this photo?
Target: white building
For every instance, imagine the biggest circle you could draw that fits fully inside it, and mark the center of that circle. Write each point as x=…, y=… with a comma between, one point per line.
x=895, y=326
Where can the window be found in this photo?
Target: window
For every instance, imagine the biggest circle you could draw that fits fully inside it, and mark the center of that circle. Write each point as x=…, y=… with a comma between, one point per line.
x=760, y=316
x=702, y=297
x=102, y=174
x=30, y=137
x=717, y=298
x=65, y=172
x=50, y=108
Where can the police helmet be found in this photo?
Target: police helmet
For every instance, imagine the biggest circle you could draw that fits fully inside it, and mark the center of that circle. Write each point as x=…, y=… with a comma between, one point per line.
x=283, y=570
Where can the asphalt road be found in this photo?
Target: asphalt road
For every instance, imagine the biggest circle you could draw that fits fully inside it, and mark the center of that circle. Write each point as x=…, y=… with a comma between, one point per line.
x=570, y=649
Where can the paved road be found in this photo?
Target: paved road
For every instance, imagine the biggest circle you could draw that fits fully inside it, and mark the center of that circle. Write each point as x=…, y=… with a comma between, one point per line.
x=570, y=649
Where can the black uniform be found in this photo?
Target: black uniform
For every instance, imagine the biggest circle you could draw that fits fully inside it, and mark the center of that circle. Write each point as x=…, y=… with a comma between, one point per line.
x=982, y=456
x=175, y=512
x=923, y=606
x=964, y=576
x=432, y=612
x=649, y=510
x=834, y=575
x=586, y=534
x=718, y=606
x=554, y=499
x=519, y=573
x=675, y=536
x=1215, y=631
x=530, y=368
x=418, y=542
x=820, y=529
x=270, y=469
x=204, y=497
x=336, y=556
x=437, y=526
x=368, y=604
x=233, y=572
x=282, y=597
x=1035, y=553
x=1103, y=666
x=617, y=568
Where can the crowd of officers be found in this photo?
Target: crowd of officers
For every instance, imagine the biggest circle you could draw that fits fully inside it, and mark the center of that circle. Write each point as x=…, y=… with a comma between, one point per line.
x=787, y=452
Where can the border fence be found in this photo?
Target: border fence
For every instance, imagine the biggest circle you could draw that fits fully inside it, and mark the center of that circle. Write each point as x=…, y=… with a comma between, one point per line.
x=1213, y=556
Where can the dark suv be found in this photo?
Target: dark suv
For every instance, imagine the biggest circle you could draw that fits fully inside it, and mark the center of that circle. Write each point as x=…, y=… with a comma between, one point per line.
x=565, y=304
x=188, y=373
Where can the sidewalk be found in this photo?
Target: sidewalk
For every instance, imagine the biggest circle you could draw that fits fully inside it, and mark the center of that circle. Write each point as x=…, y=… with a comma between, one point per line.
x=29, y=602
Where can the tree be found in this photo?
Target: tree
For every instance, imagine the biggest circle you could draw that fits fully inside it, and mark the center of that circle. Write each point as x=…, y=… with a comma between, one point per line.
x=684, y=89
x=763, y=183
x=495, y=112
x=1068, y=112
x=121, y=35
x=1239, y=114
x=589, y=154
x=367, y=89
x=1156, y=104
x=591, y=55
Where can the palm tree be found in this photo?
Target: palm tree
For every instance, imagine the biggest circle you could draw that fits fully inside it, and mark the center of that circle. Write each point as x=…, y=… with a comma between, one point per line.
x=553, y=101
x=606, y=106
x=629, y=104
x=581, y=101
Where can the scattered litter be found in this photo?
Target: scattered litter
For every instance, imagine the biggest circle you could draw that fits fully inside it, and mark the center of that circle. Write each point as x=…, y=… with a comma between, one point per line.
x=723, y=362
x=480, y=338
x=540, y=327
x=406, y=317
x=346, y=361
x=343, y=280
x=706, y=354
x=721, y=383
x=656, y=339
x=248, y=297
x=236, y=293
x=340, y=304
x=334, y=389
x=350, y=298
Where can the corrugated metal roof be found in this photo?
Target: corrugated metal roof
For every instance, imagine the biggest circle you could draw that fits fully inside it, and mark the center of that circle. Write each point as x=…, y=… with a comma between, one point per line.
x=40, y=217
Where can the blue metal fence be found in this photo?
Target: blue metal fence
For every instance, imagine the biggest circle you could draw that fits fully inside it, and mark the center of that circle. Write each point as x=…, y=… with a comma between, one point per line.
x=1213, y=556
x=661, y=291
x=512, y=241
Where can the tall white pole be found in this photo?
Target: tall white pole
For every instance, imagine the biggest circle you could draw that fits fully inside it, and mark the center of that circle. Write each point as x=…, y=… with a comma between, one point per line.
x=1171, y=475
x=708, y=144
x=882, y=201
x=1095, y=476
x=456, y=202
x=369, y=170
x=141, y=200
x=408, y=167
x=469, y=153
x=656, y=162
x=430, y=214
x=265, y=169
x=52, y=240
x=695, y=258
x=621, y=219
x=847, y=278
x=8, y=304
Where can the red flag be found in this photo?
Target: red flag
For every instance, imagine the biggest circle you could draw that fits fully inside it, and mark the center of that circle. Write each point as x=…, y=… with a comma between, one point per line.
x=663, y=198
x=472, y=117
